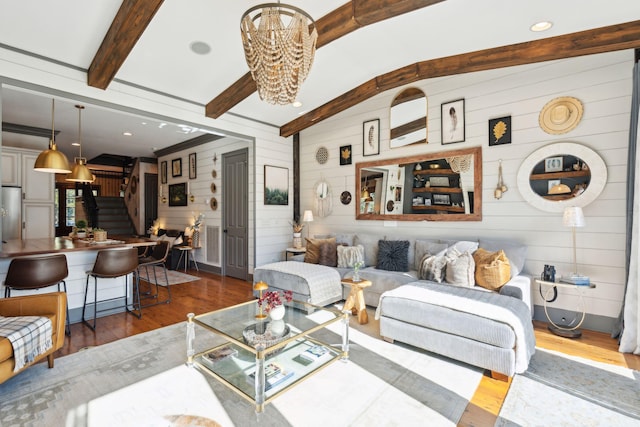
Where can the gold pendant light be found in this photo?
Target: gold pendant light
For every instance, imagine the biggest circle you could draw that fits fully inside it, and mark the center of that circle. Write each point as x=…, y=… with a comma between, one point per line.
x=52, y=160
x=80, y=172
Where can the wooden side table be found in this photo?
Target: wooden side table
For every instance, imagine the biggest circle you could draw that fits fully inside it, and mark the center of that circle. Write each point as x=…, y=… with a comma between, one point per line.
x=564, y=331
x=293, y=251
x=355, y=300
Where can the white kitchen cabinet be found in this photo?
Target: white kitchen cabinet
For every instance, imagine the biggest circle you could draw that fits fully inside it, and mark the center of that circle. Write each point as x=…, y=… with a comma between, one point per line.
x=37, y=220
x=11, y=169
x=36, y=186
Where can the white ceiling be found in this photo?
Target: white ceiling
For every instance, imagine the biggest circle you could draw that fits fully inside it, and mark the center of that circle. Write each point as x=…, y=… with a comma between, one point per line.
x=71, y=31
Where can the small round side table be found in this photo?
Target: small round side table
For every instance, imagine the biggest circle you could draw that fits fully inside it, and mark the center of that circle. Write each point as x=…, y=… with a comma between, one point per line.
x=355, y=300
x=564, y=331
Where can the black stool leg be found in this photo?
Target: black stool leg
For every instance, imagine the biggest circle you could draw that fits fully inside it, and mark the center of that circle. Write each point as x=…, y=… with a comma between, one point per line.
x=67, y=329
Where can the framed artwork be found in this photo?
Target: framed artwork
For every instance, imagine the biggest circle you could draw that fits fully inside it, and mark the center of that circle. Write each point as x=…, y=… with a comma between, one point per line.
x=553, y=164
x=552, y=183
x=176, y=167
x=439, y=181
x=345, y=155
x=178, y=194
x=371, y=137
x=441, y=199
x=452, y=121
x=500, y=131
x=192, y=166
x=163, y=172
x=276, y=185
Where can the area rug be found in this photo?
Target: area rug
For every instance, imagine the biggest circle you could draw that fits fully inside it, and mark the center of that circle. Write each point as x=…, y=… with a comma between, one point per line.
x=142, y=380
x=175, y=277
x=562, y=390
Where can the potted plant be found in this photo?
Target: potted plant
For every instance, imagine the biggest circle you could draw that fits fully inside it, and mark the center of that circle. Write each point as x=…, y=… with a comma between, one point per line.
x=272, y=301
x=81, y=228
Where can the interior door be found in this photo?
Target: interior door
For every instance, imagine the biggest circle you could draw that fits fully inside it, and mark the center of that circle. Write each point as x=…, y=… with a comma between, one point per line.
x=235, y=205
x=150, y=200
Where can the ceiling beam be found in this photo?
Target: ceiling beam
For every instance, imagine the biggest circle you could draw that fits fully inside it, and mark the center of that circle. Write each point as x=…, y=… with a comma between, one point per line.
x=132, y=19
x=344, y=20
x=600, y=40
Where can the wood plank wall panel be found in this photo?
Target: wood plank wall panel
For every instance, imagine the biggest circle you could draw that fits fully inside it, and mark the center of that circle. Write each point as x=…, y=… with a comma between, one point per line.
x=602, y=82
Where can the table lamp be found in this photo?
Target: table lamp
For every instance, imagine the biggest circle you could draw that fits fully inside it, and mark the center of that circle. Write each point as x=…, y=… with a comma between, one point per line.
x=573, y=217
x=260, y=286
x=307, y=216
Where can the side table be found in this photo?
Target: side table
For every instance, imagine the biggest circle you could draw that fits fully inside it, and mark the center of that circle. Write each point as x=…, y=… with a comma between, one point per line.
x=564, y=331
x=187, y=251
x=355, y=300
x=293, y=251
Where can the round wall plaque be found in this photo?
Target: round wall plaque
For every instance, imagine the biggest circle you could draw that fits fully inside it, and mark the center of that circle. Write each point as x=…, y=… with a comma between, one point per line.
x=345, y=197
x=322, y=155
x=214, y=174
x=213, y=203
x=213, y=187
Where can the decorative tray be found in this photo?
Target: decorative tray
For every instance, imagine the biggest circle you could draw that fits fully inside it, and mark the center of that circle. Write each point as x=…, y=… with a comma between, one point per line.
x=253, y=337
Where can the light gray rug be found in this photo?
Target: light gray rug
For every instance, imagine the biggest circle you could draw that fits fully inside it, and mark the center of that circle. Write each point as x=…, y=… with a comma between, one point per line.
x=142, y=380
x=175, y=277
x=561, y=390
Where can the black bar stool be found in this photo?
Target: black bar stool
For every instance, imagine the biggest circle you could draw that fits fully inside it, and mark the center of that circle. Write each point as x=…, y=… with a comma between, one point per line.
x=37, y=272
x=112, y=263
x=157, y=258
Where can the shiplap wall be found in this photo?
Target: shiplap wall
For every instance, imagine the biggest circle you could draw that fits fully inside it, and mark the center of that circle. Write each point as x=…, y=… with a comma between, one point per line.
x=601, y=82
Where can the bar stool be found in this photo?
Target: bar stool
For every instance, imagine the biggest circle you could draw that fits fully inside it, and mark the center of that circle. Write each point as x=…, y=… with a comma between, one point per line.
x=157, y=258
x=112, y=263
x=37, y=272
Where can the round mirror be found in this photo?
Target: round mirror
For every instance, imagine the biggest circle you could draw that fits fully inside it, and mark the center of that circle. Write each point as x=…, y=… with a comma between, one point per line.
x=560, y=175
x=408, y=118
x=322, y=204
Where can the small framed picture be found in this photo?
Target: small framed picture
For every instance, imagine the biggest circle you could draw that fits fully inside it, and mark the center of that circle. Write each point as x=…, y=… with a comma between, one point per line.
x=552, y=183
x=439, y=181
x=441, y=199
x=345, y=155
x=192, y=166
x=176, y=167
x=371, y=137
x=452, y=121
x=276, y=185
x=178, y=194
x=163, y=172
x=500, y=131
x=553, y=164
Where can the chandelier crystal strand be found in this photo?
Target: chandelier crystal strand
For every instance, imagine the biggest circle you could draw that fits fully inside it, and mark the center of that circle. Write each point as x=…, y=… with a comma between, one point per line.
x=279, y=56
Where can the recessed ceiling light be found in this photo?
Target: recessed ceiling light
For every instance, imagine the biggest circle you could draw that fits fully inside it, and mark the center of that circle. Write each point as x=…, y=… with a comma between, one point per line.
x=297, y=104
x=201, y=48
x=541, y=26
x=127, y=133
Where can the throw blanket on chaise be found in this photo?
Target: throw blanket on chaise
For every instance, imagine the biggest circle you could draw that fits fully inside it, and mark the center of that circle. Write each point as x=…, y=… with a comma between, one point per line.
x=323, y=282
x=480, y=303
x=30, y=337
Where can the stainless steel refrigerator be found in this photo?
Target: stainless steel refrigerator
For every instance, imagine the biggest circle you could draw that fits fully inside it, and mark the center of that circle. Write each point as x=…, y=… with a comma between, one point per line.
x=11, y=213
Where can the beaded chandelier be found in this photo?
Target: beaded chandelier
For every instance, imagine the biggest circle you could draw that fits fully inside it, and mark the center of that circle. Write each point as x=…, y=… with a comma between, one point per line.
x=278, y=55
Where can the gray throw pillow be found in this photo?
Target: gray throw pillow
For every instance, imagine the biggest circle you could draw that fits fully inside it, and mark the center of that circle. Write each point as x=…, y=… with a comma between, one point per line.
x=515, y=252
x=433, y=267
x=393, y=255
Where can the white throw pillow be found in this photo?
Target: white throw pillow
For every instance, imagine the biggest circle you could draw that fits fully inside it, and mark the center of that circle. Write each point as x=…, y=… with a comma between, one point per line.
x=460, y=269
x=349, y=255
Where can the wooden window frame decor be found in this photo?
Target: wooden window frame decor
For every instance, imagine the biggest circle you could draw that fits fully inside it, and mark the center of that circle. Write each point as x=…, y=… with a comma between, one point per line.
x=500, y=131
x=345, y=155
x=371, y=137
x=452, y=125
x=176, y=167
x=193, y=163
x=178, y=194
x=274, y=191
x=163, y=172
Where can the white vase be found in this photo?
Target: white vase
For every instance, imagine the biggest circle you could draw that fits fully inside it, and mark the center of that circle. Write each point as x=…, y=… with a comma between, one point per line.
x=297, y=240
x=277, y=313
x=277, y=327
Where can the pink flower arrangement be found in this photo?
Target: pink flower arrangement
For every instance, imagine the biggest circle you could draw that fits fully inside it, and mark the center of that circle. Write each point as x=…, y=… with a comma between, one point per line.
x=272, y=299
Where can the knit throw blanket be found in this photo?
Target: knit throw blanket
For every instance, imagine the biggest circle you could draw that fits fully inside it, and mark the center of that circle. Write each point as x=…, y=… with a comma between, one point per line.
x=30, y=337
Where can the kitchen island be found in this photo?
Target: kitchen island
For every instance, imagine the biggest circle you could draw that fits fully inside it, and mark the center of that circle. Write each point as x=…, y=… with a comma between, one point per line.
x=81, y=255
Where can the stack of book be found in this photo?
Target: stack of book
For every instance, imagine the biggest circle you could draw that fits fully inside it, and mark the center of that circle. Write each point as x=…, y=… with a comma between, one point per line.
x=576, y=280
x=274, y=374
x=313, y=354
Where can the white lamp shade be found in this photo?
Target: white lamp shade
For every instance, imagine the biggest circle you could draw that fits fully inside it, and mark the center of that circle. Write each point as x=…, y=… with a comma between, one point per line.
x=188, y=232
x=307, y=216
x=573, y=217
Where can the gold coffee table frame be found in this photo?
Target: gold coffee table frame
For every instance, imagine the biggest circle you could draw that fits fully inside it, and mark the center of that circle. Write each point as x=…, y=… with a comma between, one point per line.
x=234, y=371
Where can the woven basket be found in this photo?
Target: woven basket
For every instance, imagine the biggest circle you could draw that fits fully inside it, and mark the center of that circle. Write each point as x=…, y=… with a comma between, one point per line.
x=99, y=236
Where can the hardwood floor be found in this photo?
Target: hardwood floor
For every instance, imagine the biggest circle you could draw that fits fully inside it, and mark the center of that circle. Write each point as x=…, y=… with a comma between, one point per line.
x=212, y=292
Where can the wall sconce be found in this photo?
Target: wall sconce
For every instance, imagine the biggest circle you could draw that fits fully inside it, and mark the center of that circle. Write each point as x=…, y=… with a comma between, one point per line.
x=500, y=188
x=162, y=197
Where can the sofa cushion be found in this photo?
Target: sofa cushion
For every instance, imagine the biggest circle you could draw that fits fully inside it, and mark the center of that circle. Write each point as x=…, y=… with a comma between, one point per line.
x=328, y=254
x=341, y=238
x=428, y=246
x=492, y=269
x=460, y=268
x=312, y=256
x=349, y=255
x=515, y=252
x=393, y=255
x=370, y=244
x=433, y=267
x=461, y=245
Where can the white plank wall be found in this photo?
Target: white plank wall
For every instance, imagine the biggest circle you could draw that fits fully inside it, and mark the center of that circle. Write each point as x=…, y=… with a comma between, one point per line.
x=601, y=82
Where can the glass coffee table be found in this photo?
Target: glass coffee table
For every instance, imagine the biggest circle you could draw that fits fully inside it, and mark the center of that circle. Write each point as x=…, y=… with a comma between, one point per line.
x=263, y=358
